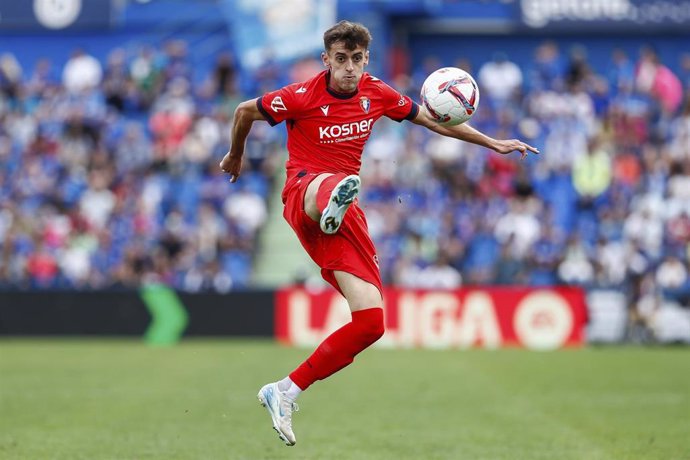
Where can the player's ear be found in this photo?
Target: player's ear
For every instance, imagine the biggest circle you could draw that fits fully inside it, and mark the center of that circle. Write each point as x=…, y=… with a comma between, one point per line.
x=366, y=57
x=325, y=60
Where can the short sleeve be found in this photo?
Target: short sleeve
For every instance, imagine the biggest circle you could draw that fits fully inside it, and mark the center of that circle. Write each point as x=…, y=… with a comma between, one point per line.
x=280, y=105
x=398, y=107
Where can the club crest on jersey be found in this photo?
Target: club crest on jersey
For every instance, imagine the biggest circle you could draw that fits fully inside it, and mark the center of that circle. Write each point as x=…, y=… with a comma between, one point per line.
x=365, y=103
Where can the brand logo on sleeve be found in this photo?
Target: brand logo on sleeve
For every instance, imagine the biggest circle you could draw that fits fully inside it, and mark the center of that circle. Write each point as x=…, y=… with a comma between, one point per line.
x=277, y=104
x=402, y=101
x=301, y=90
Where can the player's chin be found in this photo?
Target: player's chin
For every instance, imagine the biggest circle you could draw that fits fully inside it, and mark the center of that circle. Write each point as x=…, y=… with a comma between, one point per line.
x=349, y=84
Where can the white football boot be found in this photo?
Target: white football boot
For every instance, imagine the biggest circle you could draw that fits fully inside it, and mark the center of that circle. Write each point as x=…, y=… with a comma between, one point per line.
x=342, y=196
x=281, y=408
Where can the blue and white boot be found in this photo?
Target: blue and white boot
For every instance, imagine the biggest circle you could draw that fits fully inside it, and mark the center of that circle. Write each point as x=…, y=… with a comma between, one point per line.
x=280, y=407
x=342, y=196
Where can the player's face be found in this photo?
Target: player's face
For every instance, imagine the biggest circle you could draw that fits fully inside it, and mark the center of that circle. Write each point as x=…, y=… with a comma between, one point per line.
x=347, y=66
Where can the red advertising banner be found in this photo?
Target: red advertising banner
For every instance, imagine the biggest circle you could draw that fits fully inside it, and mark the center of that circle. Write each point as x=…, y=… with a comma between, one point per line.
x=539, y=319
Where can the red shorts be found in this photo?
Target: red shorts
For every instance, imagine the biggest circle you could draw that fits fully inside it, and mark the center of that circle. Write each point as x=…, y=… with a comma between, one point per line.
x=350, y=249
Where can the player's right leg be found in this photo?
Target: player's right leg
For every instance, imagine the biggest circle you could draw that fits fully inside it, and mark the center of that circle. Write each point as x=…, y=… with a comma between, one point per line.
x=328, y=198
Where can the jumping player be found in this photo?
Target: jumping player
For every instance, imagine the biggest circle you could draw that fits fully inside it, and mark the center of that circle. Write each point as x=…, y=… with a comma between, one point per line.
x=329, y=119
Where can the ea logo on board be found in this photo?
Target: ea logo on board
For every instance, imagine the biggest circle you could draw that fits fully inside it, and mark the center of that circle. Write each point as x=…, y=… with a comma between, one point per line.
x=543, y=321
x=57, y=14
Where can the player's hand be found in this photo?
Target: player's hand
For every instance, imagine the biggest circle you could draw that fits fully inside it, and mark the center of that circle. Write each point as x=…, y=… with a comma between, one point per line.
x=505, y=147
x=231, y=164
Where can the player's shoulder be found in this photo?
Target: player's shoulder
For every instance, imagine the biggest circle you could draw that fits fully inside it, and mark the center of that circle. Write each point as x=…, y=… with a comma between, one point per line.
x=307, y=87
x=371, y=80
x=376, y=86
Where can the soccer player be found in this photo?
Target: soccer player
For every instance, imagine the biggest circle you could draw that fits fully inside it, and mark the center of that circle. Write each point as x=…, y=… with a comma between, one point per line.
x=329, y=118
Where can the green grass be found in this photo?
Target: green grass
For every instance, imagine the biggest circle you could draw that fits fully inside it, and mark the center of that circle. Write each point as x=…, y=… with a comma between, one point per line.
x=122, y=400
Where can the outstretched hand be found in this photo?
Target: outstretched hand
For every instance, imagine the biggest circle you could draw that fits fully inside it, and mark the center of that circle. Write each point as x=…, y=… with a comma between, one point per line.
x=231, y=164
x=505, y=147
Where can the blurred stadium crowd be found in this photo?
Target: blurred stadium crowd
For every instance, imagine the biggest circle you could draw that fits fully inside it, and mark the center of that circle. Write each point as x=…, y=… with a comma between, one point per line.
x=606, y=205
x=109, y=177
x=110, y=174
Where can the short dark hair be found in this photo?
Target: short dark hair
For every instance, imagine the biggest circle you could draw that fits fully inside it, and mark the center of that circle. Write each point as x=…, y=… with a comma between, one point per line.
x=352, y=34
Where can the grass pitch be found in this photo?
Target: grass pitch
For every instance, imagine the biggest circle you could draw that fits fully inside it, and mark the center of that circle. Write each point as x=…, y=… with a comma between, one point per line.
x=94, y=399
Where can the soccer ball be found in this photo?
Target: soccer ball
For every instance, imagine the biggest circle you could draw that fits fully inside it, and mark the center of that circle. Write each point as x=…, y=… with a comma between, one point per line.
x=450, y=95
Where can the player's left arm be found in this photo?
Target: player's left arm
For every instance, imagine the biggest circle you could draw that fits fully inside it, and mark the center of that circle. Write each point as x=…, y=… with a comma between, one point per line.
x=466, y=133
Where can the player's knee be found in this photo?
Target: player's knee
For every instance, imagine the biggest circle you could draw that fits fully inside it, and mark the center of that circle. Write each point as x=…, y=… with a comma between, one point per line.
x=377, y=330
x=372, y=327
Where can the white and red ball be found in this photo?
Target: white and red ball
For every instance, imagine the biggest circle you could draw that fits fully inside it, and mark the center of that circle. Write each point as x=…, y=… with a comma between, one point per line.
x=450, y=95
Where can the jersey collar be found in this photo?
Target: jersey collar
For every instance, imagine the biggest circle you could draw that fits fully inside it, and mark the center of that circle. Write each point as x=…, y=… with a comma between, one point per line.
x=338, y=94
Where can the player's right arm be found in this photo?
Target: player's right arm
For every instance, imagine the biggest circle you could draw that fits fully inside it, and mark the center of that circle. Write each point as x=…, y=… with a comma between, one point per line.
x=273, y=107
x=245, y=115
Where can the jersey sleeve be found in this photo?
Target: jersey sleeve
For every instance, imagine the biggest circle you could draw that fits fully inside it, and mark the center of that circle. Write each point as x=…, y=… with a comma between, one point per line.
x=280, y=105
x=398, y=107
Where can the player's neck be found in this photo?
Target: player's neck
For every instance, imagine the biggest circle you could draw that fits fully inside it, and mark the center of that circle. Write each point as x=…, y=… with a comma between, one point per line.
x=335, y=91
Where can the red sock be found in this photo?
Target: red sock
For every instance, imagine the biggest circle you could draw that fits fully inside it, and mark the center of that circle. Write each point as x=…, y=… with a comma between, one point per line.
x=340, y=348
x=325, y=189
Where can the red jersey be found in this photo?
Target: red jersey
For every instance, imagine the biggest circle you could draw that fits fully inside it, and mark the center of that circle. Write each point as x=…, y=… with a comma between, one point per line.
x=327, y=130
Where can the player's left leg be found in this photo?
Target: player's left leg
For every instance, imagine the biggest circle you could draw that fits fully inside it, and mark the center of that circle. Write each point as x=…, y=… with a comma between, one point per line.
x=336, y=352
x=340, y=348
x=280, y=406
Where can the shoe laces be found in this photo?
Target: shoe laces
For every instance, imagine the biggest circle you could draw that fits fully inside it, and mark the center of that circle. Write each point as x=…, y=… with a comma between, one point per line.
x=289, y=404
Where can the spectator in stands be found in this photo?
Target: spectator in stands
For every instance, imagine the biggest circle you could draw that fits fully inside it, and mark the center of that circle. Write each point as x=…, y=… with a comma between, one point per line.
x=42, y=79
x=500, y=79
x=82, y=72
x=678, y=230
x=548, y=68
x=438, y=275
x=578, y=71
x=592, y=174
x=521, y=224
x=224, y=74
x=147, y=76
x=657, y=80
x=679, y=147
x=175, y=63
x=133, y=149
x=116, y=82
x=671, y=274
x=576, y=267
x=172, y=118
x=509, y=268
x=268, y=75
x=10, y=75
x=621, y=73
